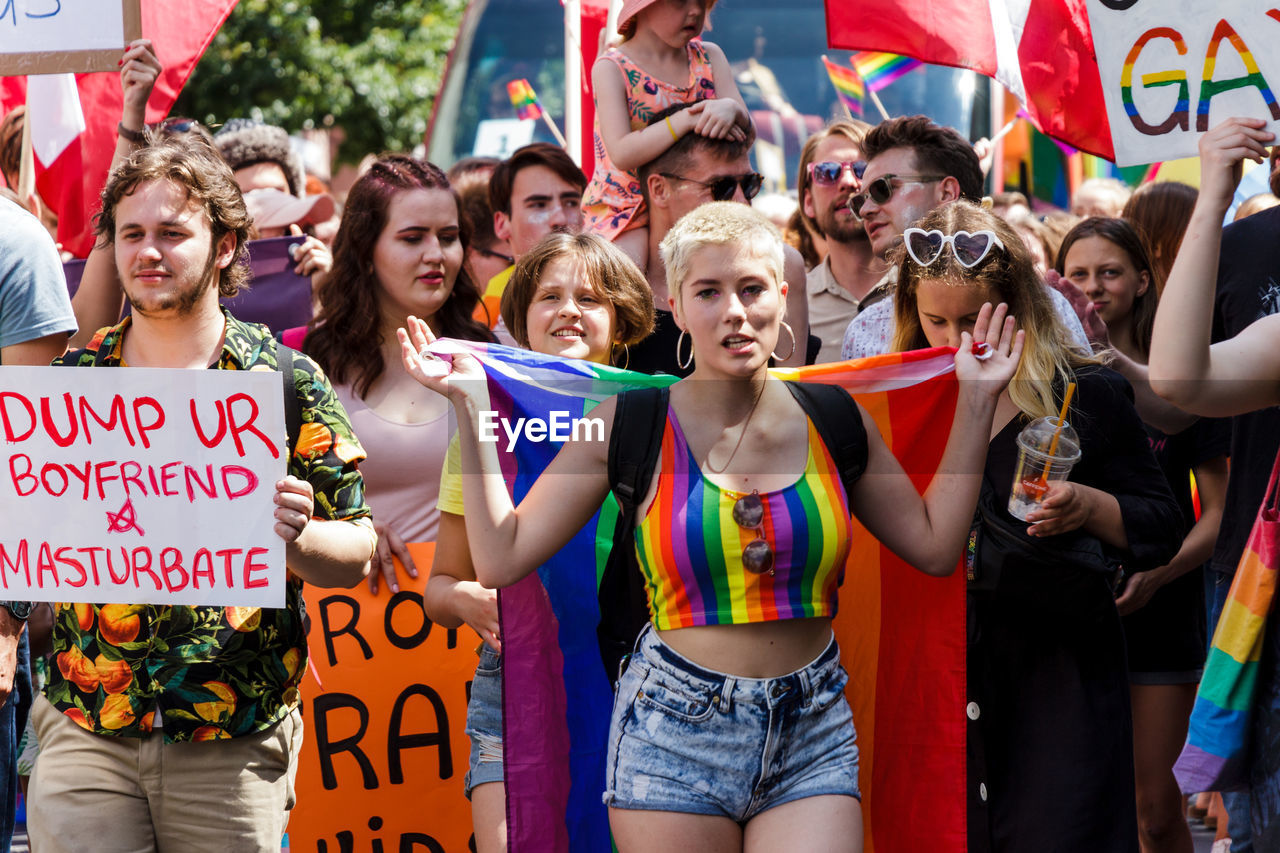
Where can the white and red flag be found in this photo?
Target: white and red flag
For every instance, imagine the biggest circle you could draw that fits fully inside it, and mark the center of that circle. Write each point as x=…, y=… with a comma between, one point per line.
x=1041, y=51
x=73, y=117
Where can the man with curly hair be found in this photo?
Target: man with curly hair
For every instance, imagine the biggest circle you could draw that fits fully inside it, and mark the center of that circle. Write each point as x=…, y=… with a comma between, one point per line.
x=176, y=727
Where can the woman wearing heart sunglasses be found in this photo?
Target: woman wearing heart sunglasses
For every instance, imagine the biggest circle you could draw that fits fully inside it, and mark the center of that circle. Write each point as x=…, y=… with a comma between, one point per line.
x=1050, y=740
x=1163, y=608
x=743, y=540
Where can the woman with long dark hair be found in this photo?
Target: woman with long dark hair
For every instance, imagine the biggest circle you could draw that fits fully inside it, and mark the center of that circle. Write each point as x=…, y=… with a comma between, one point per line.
x=399, y=252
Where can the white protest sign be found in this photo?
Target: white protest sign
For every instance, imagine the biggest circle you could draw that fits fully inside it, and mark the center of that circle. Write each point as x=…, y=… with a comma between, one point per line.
x=1172, y=69
x=141, y=486
x=52, y=36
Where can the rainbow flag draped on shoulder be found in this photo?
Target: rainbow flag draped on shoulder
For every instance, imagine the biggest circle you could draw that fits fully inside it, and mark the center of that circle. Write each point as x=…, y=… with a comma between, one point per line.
x=902, y=634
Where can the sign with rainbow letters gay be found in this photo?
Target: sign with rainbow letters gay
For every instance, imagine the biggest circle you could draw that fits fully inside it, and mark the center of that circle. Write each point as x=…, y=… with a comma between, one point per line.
x=1172, y=69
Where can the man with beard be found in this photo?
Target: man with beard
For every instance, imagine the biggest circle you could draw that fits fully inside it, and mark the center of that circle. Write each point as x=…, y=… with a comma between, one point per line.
x=155, y=713
x=846, y=281
x=693, y=171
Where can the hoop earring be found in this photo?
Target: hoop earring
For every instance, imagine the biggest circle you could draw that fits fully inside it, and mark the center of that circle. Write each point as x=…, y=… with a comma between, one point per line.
x=792, y=351
x=684, y=365
x=626, y=358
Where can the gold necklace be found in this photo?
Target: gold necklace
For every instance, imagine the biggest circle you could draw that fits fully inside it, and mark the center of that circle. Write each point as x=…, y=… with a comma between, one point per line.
x=741, y=435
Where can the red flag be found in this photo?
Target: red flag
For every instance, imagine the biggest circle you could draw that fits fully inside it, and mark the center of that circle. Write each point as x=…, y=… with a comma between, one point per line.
x=1042, y=52
x=71, y=181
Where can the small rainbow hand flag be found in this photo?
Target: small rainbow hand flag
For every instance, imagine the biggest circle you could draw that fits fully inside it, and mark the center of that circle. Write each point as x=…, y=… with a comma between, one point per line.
x=881, y=69
x=524, y=99
x=849, y=86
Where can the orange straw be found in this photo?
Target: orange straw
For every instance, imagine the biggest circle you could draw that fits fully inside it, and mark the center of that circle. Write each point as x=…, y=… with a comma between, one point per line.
x=1062, y=419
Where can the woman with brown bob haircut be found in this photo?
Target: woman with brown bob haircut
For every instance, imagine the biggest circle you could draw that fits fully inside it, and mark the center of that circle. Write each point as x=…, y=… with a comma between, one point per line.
x=575, y=296
x=608, y=272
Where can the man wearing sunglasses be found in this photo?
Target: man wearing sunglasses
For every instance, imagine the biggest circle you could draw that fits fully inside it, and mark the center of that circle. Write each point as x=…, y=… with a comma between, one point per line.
x=693, y=171
x=831, y=169
x=914, y=166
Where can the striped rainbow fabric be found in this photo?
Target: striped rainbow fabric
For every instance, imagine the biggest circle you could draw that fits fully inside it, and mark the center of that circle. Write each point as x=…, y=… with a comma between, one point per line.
x=697, y=574
x=880, y=69
x=848, y=85
x=1216, y=754
x=902, y=634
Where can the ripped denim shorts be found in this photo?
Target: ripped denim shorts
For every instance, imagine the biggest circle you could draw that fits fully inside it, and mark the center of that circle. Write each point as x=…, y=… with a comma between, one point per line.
x=484, y=721
x=687, y=739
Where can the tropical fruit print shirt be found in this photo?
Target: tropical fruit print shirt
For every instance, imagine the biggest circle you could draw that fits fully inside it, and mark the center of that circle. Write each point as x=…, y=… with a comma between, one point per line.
x=211, y=672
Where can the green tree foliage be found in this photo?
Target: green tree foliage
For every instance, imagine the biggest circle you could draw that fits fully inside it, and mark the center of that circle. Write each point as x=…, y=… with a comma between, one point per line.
x=370, y=67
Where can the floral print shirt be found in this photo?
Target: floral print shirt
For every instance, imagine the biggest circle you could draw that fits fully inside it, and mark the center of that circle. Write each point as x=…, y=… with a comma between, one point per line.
x=211, y=672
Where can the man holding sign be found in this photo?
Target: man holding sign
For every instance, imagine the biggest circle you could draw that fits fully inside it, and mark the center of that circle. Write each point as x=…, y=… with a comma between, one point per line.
x=139, y=692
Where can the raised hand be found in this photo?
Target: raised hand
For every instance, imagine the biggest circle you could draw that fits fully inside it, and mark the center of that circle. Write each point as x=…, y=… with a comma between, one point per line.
x=139, y=70
x=439, y=373
x=992, y=352
x=1223, y=151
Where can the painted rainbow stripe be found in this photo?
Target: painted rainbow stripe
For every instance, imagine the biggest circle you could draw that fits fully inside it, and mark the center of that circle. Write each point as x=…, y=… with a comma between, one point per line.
x=1210, y=87
x=523, y=99
x=848, y=85
x=1180, y=117
x=880, y=69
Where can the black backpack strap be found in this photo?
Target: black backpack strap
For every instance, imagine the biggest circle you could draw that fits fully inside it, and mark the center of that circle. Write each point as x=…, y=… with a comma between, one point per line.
x=634, y=446
x=292, y=404
x=836, y=417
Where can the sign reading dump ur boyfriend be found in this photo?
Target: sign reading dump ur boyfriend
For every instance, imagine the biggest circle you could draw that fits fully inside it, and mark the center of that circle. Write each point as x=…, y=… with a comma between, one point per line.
x=1172, y=69
x=142, y=486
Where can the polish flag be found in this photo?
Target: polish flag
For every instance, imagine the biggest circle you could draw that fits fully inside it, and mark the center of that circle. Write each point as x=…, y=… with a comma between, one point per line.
x=1041, y=51
x=73, y=125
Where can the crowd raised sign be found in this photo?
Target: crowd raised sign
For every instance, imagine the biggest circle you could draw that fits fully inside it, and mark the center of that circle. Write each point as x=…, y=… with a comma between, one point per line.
x=1172, y=69
x=157, y=487
x=52, y=36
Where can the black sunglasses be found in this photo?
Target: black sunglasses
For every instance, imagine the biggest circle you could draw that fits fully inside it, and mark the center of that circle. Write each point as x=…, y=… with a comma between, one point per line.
x=882, y=189
x=722, y=188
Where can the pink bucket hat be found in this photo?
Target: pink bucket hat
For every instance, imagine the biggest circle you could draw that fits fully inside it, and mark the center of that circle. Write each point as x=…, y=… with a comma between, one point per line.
x=630, y=8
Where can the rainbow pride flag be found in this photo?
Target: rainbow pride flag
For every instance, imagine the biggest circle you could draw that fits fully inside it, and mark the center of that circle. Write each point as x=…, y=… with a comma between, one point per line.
x=1221, y=730
x=880, y=69
x=848, y=85
x=901, y=633
x=524, y=99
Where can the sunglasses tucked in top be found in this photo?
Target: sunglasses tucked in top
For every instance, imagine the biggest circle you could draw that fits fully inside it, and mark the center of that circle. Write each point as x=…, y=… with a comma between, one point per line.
x=829, y=171
x=925, y=247
x=882, y=189
x=722, y=188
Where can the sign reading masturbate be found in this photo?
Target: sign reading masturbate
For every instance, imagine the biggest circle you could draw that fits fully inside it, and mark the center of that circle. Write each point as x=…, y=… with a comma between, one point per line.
x=1172, y=69
x=156, y=487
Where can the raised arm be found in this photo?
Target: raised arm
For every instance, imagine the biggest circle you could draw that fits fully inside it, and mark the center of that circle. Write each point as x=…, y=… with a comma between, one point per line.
x=929, y=532
x=629, y=149
x=1233, y=376
x=99, y=299
x=507, y=542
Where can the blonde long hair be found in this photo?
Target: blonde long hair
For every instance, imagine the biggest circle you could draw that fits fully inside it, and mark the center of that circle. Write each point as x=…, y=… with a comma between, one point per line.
x=1048, y=358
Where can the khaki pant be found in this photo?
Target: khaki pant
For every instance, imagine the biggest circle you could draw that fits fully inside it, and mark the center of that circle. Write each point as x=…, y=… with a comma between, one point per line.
x=137, y=795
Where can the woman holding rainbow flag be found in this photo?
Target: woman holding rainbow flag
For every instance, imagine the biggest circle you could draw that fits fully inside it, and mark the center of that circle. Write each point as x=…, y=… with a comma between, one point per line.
x=730, y=729
x=1050, y=737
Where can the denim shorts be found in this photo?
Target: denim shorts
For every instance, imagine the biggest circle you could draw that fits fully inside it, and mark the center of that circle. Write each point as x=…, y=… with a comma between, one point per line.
x=484, y=721
x=686, y=739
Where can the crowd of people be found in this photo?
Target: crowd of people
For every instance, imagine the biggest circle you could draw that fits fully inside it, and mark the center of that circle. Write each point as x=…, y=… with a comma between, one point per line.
x=1136, y=315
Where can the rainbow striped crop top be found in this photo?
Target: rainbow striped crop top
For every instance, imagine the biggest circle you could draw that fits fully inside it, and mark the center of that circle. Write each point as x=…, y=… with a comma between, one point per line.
x=690, y=548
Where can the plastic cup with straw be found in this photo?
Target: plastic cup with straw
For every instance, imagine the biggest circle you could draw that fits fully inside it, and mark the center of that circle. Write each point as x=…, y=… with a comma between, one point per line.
x=1048, y=448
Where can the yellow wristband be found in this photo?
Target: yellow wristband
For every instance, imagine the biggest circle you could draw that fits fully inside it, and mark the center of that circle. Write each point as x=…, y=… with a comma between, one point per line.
x=672, y=129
